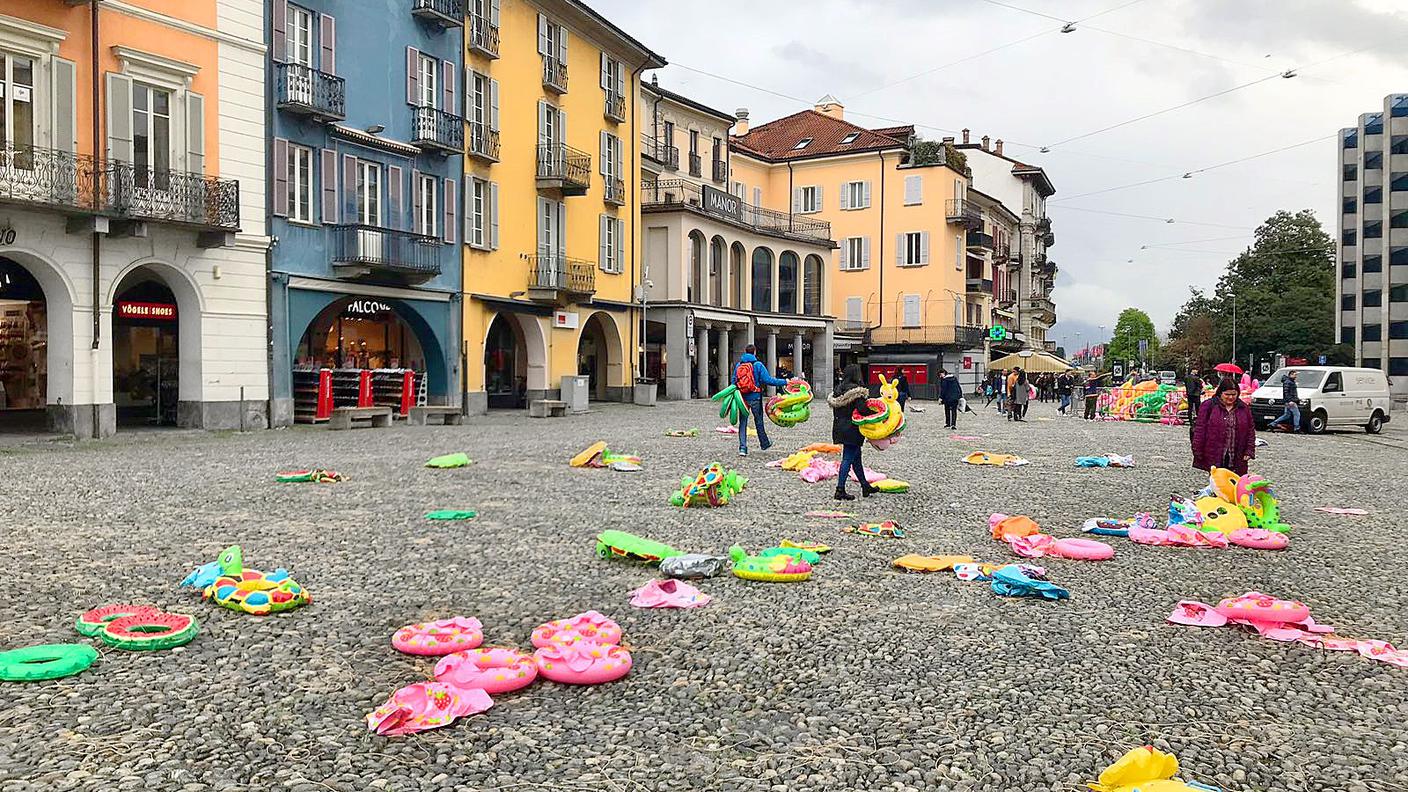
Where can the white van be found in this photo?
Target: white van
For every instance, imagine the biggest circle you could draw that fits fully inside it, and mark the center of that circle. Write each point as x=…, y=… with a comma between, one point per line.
x=1329, y=396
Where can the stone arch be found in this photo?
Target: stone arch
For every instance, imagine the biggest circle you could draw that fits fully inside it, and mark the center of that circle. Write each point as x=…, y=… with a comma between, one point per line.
x=190, y=308
x=59, y=322
x=608, y=369
x=306, y=311
x=529, y=338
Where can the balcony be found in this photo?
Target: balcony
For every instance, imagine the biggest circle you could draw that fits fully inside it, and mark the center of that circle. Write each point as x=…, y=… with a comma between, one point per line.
x=369, y=251
x=720, y=171
x=851, y=326
x=669, y=195
x=615, y=106
x=436, y=130
x=1007, y=297
x=310, y=92
x=560, y=280
x=1048, y=239
x=483, y=142
x=71, y=183
x=483, y=38
x=561, y=167
x=1043, y=225
x=445, y=13
x=696, y=165
x=979, y=242
x=614, y=191
x=554, y=74
x=660, y=151
x=962, y=336
x=1043, y=307
x=189, y=199
x=964, y=212
x=979, y=287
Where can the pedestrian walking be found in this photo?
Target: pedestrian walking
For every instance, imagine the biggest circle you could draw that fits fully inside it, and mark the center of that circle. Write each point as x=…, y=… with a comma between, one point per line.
x=1291, y=396
x=1225, y=434
x=1064, y=386
x=950, y=393
x=848, y=394
x=999, y=386
x=1092, y=395
x=1021, y=395
x=902, y=388
x=750, y=375
x=1193, y=394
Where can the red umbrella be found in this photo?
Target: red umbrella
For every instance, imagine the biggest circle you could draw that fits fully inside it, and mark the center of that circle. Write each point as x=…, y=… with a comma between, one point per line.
x=1228, y=368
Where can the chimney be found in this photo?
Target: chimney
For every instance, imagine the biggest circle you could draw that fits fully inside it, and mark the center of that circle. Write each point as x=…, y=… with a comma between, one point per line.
x=998, y=147
x=831, y=107
x=985, y=142
x=655, y=80
x=965, y=137
x=740, y=127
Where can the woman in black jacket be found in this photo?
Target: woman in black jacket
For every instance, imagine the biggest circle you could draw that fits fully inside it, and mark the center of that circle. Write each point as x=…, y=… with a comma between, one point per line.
x=848, y=395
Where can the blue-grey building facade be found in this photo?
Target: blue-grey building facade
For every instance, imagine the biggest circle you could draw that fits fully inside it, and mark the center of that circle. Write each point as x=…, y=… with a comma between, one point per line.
x=365, y=112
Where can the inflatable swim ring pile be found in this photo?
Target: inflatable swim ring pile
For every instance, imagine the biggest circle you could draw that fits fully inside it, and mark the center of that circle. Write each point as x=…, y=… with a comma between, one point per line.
x=252, y=591
x=1251, y=494
x=770, y=569
x=792, y=404
x=315, y=475
x=881, y=420
x=713, y=486
x=581, y=650
x=439, y=637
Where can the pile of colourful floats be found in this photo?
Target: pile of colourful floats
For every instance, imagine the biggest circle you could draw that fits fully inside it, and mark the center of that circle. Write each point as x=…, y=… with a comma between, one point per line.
x=139, y=628
x=1231, y=510
x=1153, y=402
x=788, y=562
x=580, y=650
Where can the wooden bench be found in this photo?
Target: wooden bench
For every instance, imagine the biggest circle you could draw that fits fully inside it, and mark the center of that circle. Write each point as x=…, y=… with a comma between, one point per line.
x=547, y=408
x=449, y=416
x=349, y=417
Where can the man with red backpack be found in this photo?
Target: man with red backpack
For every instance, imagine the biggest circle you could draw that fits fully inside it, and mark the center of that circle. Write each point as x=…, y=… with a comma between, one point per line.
x=750, y=375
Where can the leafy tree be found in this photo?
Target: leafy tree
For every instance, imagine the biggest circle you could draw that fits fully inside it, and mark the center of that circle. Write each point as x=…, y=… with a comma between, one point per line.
x=1132, y=327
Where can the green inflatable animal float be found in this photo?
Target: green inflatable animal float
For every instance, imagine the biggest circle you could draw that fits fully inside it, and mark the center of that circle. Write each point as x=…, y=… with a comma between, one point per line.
x=713, y=486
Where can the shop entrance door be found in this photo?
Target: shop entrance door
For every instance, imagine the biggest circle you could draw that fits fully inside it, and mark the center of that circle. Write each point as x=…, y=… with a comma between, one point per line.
x=24, y=349
x=146, y=359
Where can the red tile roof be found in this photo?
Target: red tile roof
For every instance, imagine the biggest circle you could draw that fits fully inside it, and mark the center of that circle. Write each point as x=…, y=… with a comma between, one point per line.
x=777, y=140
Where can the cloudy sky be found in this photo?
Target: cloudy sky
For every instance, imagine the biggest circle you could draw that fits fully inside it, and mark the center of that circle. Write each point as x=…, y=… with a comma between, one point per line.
x=895, y=61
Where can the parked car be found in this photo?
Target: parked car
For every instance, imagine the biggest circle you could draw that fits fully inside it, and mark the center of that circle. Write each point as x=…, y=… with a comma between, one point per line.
x=1329, y=396
x=1168, y=377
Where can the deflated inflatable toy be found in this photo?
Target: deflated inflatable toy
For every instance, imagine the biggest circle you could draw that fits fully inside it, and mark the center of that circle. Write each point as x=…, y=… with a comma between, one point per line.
x=315, y=475
x=713, y=486
x=583, y=663
x=1220, y=515
x=996, y=460
x=92, y=622
x=1017, y=580
x=816, y=547
x=252, y=591
x=451, y=515
x=456, y=460
x=791, y=405
x=149, y=631
x=1145, y=770
x=424, y=706
x=692, y=566
x=1259, y=539
x=881, y=420
x=439, y=637
x=597, y=455
x=45, y=661
x=1283, y=620
x=798, y=553
x=628, y=546
x=492, y=669
x=731, y=404
x=776, y=569
x=796, y=462
x=888, y=529
x=921, y=563
x=824, y=448
x=668, y=594
x=1004, y=527
x=586, y=626
x=681, y=432
x=892, y=485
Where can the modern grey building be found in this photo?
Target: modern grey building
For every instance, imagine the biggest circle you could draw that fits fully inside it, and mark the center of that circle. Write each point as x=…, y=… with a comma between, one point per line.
x=1372, y=290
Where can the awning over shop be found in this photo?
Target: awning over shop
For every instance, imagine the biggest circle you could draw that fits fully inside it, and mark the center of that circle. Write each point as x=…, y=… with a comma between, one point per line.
x=1030, y=360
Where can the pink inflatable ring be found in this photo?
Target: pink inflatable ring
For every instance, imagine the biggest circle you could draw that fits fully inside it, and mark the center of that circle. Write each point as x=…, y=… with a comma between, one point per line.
x=583, y=663
x=439, y=637
x=1260, y=608
x=1082, y=549
x=589, y=626
x=491, y=669
x=1259, y=539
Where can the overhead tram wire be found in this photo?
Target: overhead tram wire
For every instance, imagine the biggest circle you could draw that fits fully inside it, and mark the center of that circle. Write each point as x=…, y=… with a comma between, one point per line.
x=1168, y=220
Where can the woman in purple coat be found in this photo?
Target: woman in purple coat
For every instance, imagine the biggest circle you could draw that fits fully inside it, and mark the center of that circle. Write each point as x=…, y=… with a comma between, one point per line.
x=1225, y=434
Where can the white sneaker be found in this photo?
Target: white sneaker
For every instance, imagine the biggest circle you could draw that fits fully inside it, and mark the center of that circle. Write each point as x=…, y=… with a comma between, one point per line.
x=743, y=452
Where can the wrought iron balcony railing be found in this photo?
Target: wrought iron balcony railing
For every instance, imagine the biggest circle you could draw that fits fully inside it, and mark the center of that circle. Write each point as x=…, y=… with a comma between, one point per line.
x=564, y=168
x=433, y=128
x=615, y=106
x=483, y=36
x=173, y=197
x=55, y=179
x=660, y=150
x=664, y=194
x=614, y=191
x=696, y=165
x=559, y=274
x=721, y=171
x=370, y=250
x=445, y=13
x=965, y=213
x=554, y=74
x=301, y=89
x=483, y=141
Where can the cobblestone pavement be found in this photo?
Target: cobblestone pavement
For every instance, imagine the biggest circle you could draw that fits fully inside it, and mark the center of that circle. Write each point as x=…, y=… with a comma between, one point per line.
x=860, y=678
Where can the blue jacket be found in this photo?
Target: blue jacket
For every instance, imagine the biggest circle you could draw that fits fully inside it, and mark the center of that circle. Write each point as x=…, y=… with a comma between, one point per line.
x=950, y=391
x=1289, y=392
x=760, y=376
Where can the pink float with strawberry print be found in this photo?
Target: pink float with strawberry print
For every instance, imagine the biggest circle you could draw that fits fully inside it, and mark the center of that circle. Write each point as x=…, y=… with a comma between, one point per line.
x=583, y=663
x=1259, y=608
x=439, y=637
x=588, y=626
x=491, y=669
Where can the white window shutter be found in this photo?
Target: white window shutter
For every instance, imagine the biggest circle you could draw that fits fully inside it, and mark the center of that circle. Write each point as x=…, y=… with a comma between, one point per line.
x=845, y=251
x=494, y=105
x=923, y=247
x=796, y=200
x=853, y=309
x=65, y=109
x=757, y=196
x=605, y=154
x=493, y=215
x=845, y=197
x=279, y=29
x=603, y=249
x=119, y=107
x=467, y=208
x=912, y=316
x=543, y=35
x=820, y=199
x=561, y=44
x=561, y=229
x=958, y=251
x=494, y=12
x=867, y=195
x=900, y=250
x=865, y=253
x=542, y=123
x=195, y=133
x=620, y=245
x=605, y=72
x=562, y=127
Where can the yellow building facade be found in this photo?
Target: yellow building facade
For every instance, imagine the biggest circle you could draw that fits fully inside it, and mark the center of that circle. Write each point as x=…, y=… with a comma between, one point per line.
x=899, y=285
x=551, y=201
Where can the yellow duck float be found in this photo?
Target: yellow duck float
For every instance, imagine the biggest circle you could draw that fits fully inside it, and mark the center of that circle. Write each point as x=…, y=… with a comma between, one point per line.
x=1145, y=769
x=881, y=420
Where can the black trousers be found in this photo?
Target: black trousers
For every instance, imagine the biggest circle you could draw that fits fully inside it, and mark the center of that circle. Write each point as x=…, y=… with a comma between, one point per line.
x=1090, y=408
x=951, y=414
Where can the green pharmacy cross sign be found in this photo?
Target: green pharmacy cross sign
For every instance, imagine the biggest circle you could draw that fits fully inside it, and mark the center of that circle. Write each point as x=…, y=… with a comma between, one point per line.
x=997, y=333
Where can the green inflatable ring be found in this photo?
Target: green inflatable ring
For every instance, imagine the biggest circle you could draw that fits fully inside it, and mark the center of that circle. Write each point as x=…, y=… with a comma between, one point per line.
x=46, y=661
x=150, y=631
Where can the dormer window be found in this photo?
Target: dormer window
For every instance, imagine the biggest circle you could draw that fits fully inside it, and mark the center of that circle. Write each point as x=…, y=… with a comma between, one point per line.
x=801, y=144
x=850, y=138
